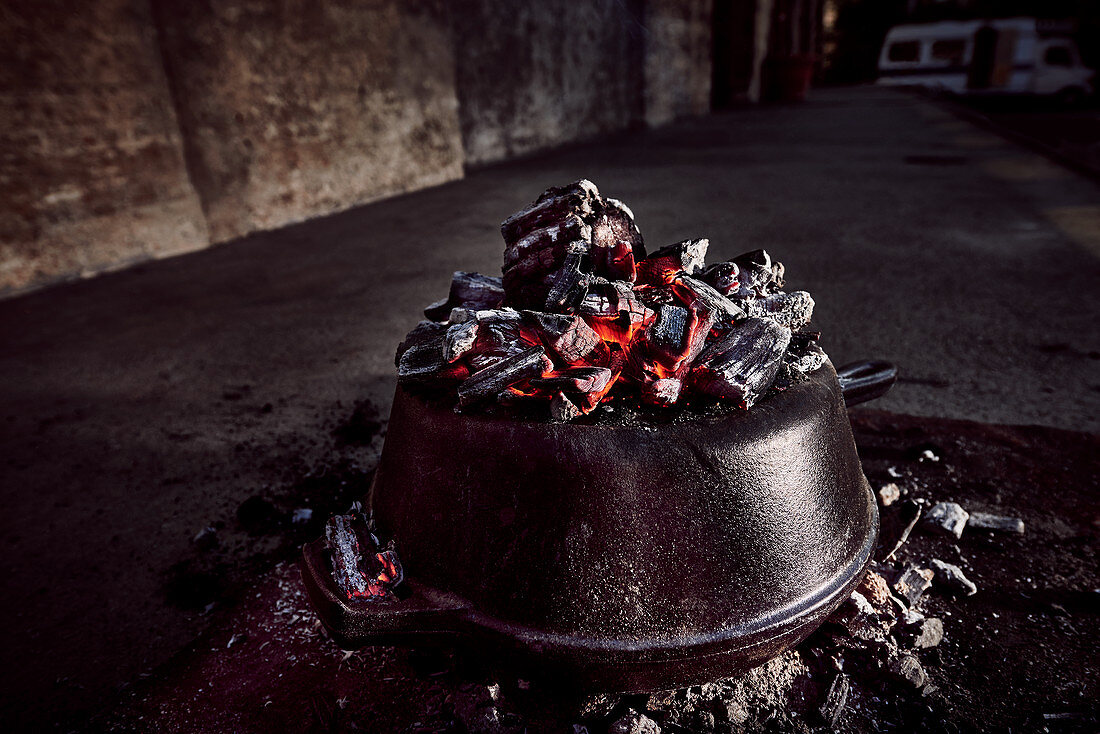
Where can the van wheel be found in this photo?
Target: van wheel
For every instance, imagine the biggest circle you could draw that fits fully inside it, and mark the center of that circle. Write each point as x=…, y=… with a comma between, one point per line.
x=1071, y=97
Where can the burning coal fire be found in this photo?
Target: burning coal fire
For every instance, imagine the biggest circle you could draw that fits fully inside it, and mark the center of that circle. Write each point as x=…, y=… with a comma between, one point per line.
x=582, y=311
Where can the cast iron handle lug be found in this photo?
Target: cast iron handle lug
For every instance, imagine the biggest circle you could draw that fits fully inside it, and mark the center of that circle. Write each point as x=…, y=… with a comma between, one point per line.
x=863, y=381
x=420, y=612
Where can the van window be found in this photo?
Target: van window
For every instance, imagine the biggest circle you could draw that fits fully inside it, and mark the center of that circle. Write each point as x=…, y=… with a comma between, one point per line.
x=904, y=51
x=951, y=51
x=1058, y=56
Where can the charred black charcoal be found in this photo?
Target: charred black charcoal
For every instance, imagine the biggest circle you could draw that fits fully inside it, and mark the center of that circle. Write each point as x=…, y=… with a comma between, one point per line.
x=693, y=291
x=423, y=333
x=460, y=339
x=568, y=337
x=666, y=263
x=743, y=363
x=420, y=358
x=562, y=409
x=488, y=383
x=571, y=281
x=554, y=205
x=667, y=336
x=552, y=238
x=360, y=567
x=723, y=277
x=616, y=242
x=793, y=310
x=575, y=380
x=759, y=275
x=663, y=392
x=468, y=290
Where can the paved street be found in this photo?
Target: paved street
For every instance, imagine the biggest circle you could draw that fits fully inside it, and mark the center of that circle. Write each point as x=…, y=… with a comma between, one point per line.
x=142, y=406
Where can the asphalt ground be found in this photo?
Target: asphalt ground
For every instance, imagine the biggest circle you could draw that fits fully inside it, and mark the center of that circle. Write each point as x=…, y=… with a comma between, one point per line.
x=143, y=406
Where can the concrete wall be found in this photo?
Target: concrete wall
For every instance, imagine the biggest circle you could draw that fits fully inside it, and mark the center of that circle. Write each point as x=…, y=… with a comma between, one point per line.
x=134, y=129
x=296, y=108
x=92, y=173
x=533, y=74
x=677, y=59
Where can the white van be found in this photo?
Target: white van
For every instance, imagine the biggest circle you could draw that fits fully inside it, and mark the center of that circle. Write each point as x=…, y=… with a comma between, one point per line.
x=1005, y=56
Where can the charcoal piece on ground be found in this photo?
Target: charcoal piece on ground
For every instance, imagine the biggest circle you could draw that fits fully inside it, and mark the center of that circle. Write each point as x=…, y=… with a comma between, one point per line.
x=995, y=523
x=552, y=238
x=344, y=545
x=616, y=242
x=836, y=698
x=722, y=277
x=666, y=263
x=569, y=337
x=571, y=281
x=742, y=364
x=946, y=518
x=922, y=634
x=574, y=380
x=912, y=582
x=488, y=383
x=951, y=577
x=562, y=409
x=353, y=550
x=696, y=292
x=468, y=290
x=579, y=198
x=663, y=392
x=793, y=310
x=907, y=669
x=460, y=339
x=759, y=275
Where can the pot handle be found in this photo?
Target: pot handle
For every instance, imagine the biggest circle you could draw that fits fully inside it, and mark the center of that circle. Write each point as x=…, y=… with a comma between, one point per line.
x=421, y=612
x=863, y=381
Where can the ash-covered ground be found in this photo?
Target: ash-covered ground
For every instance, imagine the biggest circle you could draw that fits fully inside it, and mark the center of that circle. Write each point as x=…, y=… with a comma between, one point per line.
x=1018, y=654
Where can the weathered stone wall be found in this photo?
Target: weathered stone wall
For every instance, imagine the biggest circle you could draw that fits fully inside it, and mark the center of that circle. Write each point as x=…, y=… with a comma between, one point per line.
x=677, y=59
x=297, y=108
x=139, y=128
x=533, y=74
x=91, y=170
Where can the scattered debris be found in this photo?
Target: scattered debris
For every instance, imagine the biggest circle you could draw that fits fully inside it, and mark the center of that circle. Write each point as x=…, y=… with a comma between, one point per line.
x=926, y=633
x=633, y=722
x=888, y=494
x=946, y=518
x=952, y=578
x=912, y=582
x=206, y=538
x=835, y=700
x=236, y=639
x=896, y=528
x=907, y=669
x=996, y=523
x=301, y=516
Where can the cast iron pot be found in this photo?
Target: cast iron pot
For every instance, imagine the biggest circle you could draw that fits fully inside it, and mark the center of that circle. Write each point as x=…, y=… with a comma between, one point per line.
x=618, y=558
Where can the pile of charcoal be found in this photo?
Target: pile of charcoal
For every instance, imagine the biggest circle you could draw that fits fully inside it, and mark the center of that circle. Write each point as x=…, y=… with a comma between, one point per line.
x=582, y=310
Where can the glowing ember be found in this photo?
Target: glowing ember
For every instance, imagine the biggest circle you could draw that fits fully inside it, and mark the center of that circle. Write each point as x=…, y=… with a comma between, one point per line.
x=582, y=312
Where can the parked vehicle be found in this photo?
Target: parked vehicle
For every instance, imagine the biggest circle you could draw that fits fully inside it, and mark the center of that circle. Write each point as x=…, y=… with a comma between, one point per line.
x=986, y=57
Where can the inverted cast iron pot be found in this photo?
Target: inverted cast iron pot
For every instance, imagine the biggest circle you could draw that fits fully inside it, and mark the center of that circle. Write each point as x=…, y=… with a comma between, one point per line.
x=619, y=558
